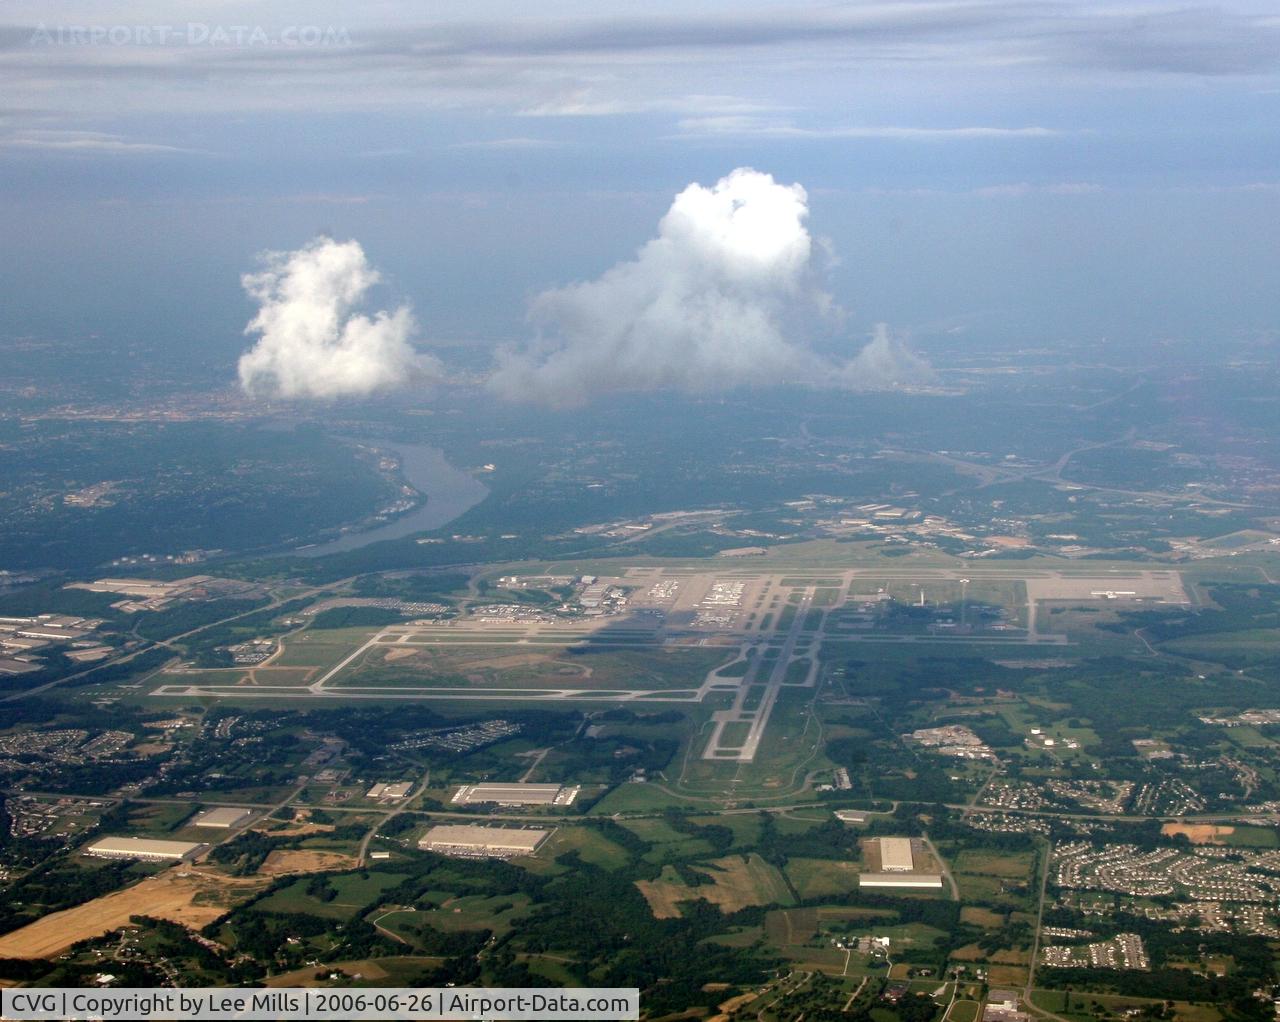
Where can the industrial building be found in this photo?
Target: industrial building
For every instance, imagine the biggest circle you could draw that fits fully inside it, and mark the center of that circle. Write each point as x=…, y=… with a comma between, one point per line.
x=515, y=794
x=918, y=880
x=223, y=818
x=143, y=848
x=482, y=842
x=147, y=588
x=895, y=855
x=1002, y=1006
x=391, y=792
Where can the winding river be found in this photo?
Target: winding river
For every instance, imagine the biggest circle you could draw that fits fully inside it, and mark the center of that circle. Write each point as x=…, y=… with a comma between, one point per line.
x=449, y=491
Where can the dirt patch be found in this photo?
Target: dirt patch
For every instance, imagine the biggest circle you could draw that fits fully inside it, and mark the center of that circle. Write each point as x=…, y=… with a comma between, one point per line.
x=300, y=824
x=180, y=895
x=302, y=828
x=302, y=860
x=983, y=917
x=503, y=663
x=663, y=898
x=734, y=1003
x=741, y=884
x=392, y=655
x=1198, y=833
x=737, y=885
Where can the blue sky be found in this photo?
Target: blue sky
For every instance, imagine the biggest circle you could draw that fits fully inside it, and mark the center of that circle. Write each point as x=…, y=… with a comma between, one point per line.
x=1012, y=170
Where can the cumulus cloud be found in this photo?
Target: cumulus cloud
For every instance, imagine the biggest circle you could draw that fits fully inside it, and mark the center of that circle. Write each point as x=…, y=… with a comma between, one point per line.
x=726, y=295
x=311, y=342
x=884, y=362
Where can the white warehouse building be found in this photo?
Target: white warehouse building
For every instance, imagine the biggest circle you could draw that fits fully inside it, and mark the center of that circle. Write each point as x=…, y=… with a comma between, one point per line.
x=143, y=848
x=895, y=855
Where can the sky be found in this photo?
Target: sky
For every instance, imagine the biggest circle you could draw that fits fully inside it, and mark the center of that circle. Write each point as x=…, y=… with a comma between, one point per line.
x=1015, y=171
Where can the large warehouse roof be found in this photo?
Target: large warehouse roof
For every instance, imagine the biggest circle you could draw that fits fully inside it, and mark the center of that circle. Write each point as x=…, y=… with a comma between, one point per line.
x=143, y=848
x=900, y=880
x=475, y=840
x=515, y=794
x=895, y=855
x=222, y=817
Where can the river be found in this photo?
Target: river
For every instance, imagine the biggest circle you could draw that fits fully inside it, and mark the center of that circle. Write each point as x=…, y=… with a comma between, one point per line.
x=449, y=491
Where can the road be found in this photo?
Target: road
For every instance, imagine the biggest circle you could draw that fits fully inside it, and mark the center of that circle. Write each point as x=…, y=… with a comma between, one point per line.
x=363, y=852
x=1035, y=943
x=942, y=865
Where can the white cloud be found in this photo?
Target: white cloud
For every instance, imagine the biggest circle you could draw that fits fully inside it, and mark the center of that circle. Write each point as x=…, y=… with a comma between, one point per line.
x=726, y=295
x=311, y=343
x=884, y=362
x=87, y=142
x=757, y=127
x=514, y=142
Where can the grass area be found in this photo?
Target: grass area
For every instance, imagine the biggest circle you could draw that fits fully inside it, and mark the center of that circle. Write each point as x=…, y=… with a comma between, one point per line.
x=635, y=798
x=1080, y=1006
x=1236, y=649
x=474, y=912
x=735, y=734
x=152, y=819
x=671, y=844
x=819, y=878
x=738, y=881
x=746, y=829
x=592, y=846
x=737, y=669
x=1252, y=837
x=979, y=888
x=964, y=1011
x=797, y=925
x=788, y=748
x=1008, y=865
x=507, y=665
x=335, y=898
x=551, y=969
x=754, y=695
x=984, y=917
x=323, y=648
x=797, y=671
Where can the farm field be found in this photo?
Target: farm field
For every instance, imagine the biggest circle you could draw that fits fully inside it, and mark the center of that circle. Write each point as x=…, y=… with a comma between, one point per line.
x=180, y=894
